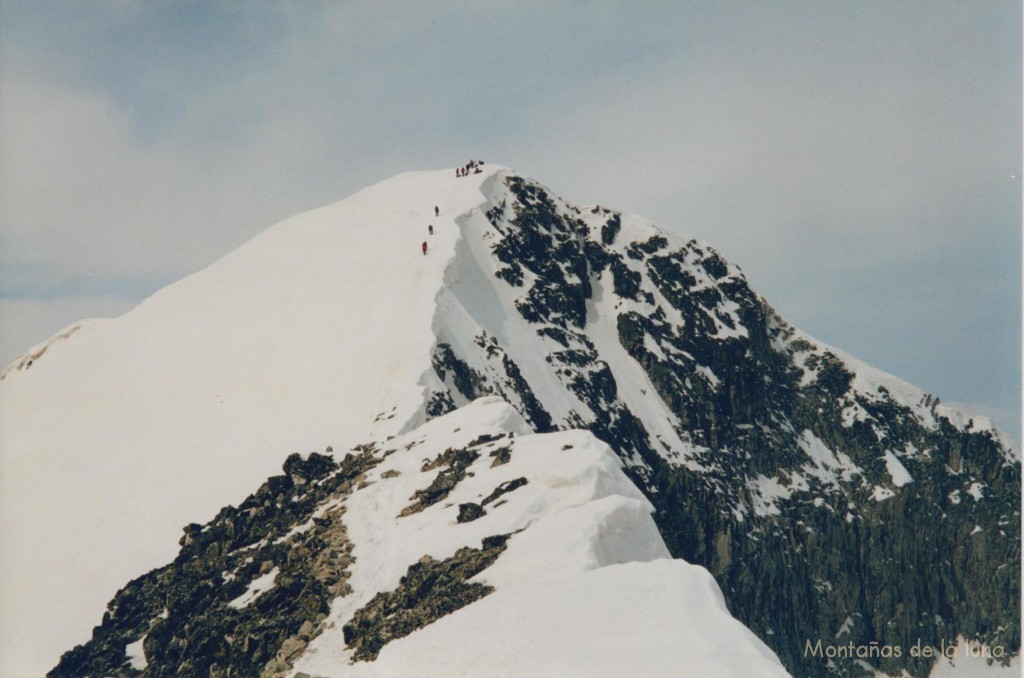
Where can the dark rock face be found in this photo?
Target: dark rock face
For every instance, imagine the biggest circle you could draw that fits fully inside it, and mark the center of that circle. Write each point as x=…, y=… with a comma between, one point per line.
x=469, y=512
x=786, y=477
x=502, y=455
x=504, y=488
x=429, y=590
x=545, y=244
x=454, y=463
x=195, y=615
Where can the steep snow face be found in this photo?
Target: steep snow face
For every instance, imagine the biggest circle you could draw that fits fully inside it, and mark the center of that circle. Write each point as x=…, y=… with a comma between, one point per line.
x=314, y=333
x=468, y=546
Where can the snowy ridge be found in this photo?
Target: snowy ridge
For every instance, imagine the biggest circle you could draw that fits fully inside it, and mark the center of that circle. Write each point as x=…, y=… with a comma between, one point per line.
x=576, y=513
x=27, y=359
x=878, y=385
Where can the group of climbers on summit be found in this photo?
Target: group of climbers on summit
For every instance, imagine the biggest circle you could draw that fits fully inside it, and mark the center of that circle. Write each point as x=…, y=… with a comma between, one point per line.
x=471, y=167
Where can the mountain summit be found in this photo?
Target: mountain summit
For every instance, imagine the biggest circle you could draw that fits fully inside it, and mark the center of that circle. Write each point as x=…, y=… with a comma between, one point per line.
x=660, y=408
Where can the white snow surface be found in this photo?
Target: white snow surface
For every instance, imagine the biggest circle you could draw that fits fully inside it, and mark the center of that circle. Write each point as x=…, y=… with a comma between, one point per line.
x=826, y=465
x=586, y=586
x=663, y=618
x=897, y=471
x=256, y=588
x=136, y=654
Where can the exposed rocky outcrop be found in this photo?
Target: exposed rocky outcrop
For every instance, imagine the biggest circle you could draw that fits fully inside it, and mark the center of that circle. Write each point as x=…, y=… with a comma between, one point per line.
x=470, y=511
x=454, y=463
x=430, y=590
x=248, y=590
x=504, y=488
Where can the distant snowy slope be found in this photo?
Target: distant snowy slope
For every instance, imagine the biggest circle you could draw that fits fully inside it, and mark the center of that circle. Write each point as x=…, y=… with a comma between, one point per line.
x=117, y=436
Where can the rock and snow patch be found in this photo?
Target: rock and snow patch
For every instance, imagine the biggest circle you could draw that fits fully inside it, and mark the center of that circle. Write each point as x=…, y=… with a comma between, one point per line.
x=897, y=471
x=136, y=655
x=764, y=492
x=876, y=385
x=880, y=493
x=828, y=466
x=256, y=588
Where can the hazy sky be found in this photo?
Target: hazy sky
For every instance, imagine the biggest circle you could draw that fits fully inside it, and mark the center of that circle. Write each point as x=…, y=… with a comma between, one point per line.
x=861, y=161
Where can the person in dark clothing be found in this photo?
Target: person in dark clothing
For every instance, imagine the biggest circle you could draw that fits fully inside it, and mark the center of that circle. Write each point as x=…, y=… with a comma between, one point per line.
x=424, y=247
x=437, y=212
x=430, y=229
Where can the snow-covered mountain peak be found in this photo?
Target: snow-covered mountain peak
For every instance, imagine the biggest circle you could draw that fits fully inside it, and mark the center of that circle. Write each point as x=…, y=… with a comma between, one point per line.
x=767, y=457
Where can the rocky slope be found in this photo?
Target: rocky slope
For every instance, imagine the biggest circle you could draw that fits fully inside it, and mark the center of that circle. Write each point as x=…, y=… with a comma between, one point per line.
x=833, y=503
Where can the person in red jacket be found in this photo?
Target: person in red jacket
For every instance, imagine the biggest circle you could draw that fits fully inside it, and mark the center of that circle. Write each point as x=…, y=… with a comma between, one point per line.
x=424, y=246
